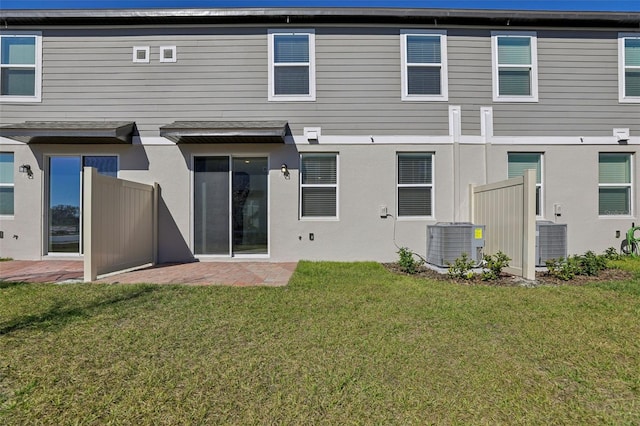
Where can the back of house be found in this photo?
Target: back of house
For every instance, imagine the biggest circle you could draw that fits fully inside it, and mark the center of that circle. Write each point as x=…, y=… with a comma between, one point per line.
x=324, y=134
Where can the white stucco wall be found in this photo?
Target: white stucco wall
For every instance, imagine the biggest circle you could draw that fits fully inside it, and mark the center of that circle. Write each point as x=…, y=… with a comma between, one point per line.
x=367, y=180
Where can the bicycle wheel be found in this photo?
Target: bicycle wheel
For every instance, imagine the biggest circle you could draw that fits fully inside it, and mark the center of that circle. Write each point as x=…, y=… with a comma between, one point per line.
x=629, y=248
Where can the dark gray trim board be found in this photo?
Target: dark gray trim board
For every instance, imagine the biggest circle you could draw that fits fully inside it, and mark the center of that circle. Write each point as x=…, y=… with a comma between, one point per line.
x=301, y=16
x=225, y=131
x=71, y=132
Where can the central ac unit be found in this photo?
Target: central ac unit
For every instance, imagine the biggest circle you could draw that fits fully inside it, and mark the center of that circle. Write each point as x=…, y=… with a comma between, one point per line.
x=446, y=241
x=551, y=241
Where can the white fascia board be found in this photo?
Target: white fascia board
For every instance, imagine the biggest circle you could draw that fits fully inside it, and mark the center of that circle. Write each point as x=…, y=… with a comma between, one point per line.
x=565, y=140
x=414, y=140
x=374, y=140
x=7, y=141
x=151, y=140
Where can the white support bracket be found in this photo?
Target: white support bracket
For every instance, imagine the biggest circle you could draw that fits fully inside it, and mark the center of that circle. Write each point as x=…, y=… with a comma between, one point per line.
x=455, y=123
x=486, y=123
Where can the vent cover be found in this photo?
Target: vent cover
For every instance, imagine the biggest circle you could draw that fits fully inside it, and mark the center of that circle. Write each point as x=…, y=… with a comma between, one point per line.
x=551, y=241
x=141, y=54
x=447, y=241
x=168, y=54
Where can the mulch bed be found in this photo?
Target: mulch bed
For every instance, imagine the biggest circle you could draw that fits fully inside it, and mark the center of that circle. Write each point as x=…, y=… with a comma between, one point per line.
x=507, y=280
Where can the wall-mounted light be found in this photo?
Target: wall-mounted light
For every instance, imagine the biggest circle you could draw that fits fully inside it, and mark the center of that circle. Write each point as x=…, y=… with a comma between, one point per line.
x=25, y=168
x=285, y=170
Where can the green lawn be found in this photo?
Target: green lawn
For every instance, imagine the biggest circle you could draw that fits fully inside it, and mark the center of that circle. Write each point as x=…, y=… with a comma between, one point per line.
x=344, y=343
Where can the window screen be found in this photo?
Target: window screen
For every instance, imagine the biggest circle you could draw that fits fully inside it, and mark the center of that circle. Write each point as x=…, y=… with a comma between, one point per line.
x=291, y=74
x=514, y=66
x=415, y=184
x=423, y=65
x=614, y=177
x=632, y=67
x=6, y=183
x=319, y=185
x=17, y=65
x=521, y=161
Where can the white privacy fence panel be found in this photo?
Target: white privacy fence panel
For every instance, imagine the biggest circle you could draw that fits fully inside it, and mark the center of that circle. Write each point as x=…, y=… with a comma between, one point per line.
x=119, y=224
x=507, y=209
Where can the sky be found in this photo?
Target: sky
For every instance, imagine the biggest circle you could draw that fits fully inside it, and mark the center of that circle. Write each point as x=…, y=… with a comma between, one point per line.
x=568, y=5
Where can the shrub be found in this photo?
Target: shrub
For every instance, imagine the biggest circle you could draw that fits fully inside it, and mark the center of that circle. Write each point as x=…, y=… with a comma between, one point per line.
x=564, y=269
x=494, y=265
x=461, y=267
x=407, y=262
x=591, y=264
x=612, y=254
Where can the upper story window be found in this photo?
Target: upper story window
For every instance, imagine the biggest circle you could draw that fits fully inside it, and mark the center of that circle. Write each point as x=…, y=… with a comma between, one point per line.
x=629, y=65
x=20, y=67
x=415, y=184
x=424, y=65
x=292, y=65
x=614, y=184
x=515, y=66
x=319, y=185
x=6, y=184
x=521, y=161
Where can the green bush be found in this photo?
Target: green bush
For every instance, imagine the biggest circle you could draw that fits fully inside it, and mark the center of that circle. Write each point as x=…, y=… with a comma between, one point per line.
x=461, y=267
x=589, y=264
x=564, y=269
x=407, y=262
x=612, y=254
x=494, y=264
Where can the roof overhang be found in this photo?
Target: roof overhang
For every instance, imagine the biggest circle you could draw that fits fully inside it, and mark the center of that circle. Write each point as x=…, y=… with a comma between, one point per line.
x=322, y=15
x=225, y=131
x=71, y=132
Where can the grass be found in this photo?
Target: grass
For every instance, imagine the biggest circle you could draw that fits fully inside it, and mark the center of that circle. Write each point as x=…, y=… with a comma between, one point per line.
x=344, y=343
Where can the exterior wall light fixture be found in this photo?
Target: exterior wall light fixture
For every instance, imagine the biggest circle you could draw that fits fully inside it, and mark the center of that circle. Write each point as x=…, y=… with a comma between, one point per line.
x=285, y=170
x=25, y=168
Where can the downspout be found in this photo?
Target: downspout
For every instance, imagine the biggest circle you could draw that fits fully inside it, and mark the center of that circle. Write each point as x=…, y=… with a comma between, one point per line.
x=486, y=131
x=455, y=130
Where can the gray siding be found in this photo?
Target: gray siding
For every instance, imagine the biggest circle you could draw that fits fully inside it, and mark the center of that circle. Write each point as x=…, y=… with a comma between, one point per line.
x=469, y=75
x=578, y=90
x=221, y=73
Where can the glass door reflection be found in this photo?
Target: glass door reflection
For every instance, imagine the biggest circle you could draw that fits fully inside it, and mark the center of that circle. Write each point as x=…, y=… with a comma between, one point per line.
x=230, y=205
x=249, y=205
x=64, y=205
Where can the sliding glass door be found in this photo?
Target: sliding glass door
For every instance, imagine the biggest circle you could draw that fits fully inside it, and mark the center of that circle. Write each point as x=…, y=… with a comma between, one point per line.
x=230, y=205
x=64, y=205
x=65, y=199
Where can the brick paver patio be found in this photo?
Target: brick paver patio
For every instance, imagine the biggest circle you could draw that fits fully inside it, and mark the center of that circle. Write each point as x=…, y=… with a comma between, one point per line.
x=197, y=273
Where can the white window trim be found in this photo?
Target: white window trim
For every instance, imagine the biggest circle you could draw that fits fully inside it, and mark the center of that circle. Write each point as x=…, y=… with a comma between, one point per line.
x=137, y=49
x=619, y=185
x=313, y=185
x=534, y=66
x=538, y=185
x=174, y=56
x=37, y=97
x=622, y=98
x=444, y=80
x=10, y=185
x=416, y=185
x=311, y=64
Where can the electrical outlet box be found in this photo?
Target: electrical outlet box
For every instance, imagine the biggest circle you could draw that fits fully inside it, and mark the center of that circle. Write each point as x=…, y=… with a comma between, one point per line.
x=383, y=211
x=557, y=210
